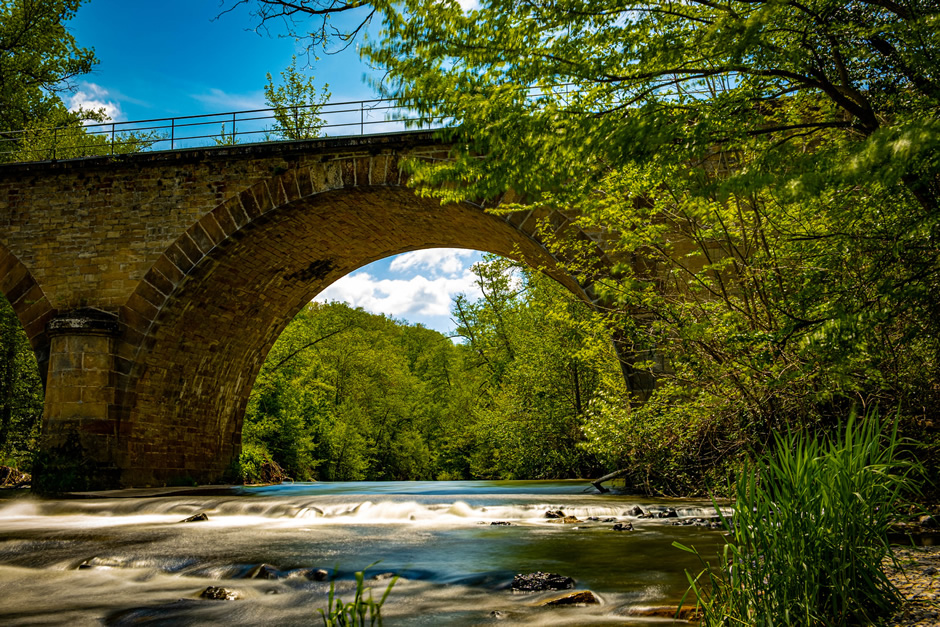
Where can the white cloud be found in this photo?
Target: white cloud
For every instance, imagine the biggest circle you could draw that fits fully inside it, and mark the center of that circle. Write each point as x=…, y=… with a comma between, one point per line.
x=439, y=261
x=92, y=97
x=218, y=99
x=419, y=295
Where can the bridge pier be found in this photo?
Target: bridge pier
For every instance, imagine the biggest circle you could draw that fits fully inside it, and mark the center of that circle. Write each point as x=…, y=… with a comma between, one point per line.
x=81, y=423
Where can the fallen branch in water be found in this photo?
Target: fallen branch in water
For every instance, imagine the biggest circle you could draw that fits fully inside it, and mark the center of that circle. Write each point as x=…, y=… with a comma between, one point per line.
x=613, y=475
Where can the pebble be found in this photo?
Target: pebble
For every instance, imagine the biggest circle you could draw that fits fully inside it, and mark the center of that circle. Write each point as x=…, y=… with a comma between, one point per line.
x=919, y=583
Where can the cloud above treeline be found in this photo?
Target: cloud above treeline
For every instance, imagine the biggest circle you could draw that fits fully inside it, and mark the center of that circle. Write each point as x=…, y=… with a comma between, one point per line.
x=421, y=283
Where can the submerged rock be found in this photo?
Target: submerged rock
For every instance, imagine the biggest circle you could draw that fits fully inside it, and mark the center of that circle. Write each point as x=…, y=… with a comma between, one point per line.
x=313, y=574
x=566, y=520
x=539, y=581
x=581, y=597
x=263, y=571
x=623, y=527
x=218, y=593
x=689, y=613
x=200, y=517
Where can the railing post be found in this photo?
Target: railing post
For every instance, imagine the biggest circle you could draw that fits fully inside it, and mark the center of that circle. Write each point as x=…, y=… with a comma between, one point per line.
x=112, y=139
x=172, y=133
x=362, y=117
x=55, y=140
x=233, y=128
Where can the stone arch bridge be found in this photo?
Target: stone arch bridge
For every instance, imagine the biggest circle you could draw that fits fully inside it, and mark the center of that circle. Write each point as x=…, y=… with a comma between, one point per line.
x=152, y=285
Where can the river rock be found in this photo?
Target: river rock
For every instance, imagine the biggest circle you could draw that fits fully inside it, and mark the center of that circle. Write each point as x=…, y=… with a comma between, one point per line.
x=498, y=614
x=623, y=527
x=539, y=581
x=554, y=513
x=313, y=574
x=635, y=511
x=200, y=517
x=566, y=520
x=581, y=597
x=263, y=571
x=218, y=593
x=500, y=523
x=928, y=522
x=13, y=478
x=669, y=513
x=686, y=612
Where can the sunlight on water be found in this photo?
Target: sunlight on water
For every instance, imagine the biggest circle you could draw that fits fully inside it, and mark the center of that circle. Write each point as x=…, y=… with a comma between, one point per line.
x=128, y=559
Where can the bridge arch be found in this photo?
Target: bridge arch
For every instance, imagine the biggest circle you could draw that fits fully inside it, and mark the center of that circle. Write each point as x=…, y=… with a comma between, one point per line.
x=29, y=302
x=199, y=325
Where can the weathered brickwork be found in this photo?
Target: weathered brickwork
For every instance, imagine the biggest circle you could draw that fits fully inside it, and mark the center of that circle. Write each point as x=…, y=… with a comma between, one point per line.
x=201, y=257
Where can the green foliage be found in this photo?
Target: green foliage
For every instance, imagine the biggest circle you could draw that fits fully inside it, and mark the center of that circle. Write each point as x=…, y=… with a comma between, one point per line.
x=346, y=395
x=771, y=174
x=353, y=614
x=67, y=135
x=543, y=356
x=810, y=530
x=296, y=103
x=21, y=392
x=38, y=60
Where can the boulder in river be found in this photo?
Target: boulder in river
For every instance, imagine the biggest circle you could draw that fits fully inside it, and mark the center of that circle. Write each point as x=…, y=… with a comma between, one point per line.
x=634, y=511
x=263, y=571
x=13, y=478
x=500, y=523
x=580, y=597
x=554, y=513
x=218, y=593
x=200, y=517
x=623, y=527
x=539, y=581
x=567, y=520
x=669, y=513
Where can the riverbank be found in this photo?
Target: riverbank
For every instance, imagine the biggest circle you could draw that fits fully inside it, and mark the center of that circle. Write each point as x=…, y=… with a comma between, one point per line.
x=919, y=583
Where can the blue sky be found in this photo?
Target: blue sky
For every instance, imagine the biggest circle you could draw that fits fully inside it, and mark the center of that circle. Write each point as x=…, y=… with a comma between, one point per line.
x=174, y=57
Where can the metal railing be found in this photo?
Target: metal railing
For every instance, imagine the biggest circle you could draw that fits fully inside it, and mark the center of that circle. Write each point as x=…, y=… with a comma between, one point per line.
x=334, y=119
x=331, y=119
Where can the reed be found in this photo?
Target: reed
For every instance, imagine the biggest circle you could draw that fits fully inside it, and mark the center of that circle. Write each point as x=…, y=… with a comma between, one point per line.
x=354, y=613
x=809, y=533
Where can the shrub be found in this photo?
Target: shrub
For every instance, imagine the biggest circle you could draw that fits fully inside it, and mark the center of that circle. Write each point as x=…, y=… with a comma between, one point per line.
x=809, y=533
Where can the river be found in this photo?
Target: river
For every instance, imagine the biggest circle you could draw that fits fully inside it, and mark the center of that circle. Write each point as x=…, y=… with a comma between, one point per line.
x=124, y=557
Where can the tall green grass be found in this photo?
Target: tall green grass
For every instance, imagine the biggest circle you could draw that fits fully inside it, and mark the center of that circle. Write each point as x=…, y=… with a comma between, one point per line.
x=809, y=533
x=359, y=612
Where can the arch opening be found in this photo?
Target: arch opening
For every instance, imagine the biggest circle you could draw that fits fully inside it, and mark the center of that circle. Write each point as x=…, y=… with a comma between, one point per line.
x=356, y=391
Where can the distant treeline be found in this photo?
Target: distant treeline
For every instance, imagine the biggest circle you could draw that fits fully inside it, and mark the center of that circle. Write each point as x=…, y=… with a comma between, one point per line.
x=348, y=395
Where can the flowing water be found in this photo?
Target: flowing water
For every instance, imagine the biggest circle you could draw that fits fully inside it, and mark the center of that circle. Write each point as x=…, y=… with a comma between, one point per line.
x=125, y=558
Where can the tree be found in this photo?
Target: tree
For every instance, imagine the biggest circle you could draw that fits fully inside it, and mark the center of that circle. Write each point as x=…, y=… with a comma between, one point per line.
x=544, y=357
x=296, y=104
x=39, y=58
x=21, y=392
x=770, y=170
